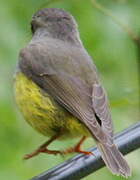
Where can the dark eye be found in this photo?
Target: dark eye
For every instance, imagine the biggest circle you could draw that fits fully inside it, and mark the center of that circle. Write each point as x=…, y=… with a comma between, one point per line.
x=37, y=16
x=65, y=18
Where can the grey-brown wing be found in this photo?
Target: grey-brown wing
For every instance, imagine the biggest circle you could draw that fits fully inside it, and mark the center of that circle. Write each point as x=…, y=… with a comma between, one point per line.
x=75, y=96
x=71, y=92
x=101, y=108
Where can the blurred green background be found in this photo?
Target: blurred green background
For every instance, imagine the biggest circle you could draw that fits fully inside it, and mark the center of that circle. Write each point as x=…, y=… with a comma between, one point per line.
x=115, y=56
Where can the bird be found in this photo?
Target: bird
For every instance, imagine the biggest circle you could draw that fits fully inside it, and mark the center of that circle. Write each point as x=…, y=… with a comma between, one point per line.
x=59, y=92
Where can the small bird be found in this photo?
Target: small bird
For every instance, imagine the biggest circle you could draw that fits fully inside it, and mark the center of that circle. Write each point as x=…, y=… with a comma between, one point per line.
x=58, y=90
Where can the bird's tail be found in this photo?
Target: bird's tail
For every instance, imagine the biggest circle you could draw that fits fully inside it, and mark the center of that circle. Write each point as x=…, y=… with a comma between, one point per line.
x=114, y=160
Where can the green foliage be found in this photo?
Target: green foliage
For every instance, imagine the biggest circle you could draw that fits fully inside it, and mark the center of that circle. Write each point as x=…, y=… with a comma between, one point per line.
x=115, y=56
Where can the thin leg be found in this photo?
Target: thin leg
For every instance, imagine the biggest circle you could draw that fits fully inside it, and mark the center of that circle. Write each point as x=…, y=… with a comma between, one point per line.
x=43, y=148
x=77, y=148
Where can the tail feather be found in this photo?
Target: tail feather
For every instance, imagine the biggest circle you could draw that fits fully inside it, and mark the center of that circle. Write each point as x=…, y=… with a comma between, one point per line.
x=114, y=160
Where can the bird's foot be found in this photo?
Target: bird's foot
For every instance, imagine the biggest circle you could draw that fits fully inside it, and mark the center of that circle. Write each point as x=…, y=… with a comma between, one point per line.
x=77, y=148
x=41, y=150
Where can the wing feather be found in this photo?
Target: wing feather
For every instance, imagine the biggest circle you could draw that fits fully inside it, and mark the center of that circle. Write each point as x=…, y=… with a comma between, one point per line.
x=101, y=108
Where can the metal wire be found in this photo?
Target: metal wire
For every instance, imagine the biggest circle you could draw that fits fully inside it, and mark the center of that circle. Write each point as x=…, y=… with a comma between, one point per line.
x=81, y=165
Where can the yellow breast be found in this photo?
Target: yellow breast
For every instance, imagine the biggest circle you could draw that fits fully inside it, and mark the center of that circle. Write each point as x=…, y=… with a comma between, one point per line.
x=42, y=112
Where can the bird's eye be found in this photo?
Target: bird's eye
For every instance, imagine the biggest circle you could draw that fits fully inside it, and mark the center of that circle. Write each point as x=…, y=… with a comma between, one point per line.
x=65, y=18
x=38, y=16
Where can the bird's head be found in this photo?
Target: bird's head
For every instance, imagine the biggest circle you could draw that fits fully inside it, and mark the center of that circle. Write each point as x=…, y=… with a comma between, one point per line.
x=56, y=22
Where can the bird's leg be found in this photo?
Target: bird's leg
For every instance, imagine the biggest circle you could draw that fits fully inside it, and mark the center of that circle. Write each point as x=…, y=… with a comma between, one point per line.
x=43, y=148
x=77, y=148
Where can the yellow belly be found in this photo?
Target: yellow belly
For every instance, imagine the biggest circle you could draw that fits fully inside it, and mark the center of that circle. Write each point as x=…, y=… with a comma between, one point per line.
x=42, y=112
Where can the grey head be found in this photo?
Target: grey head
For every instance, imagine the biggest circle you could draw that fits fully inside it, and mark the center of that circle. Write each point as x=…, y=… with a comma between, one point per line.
x=55, y=23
